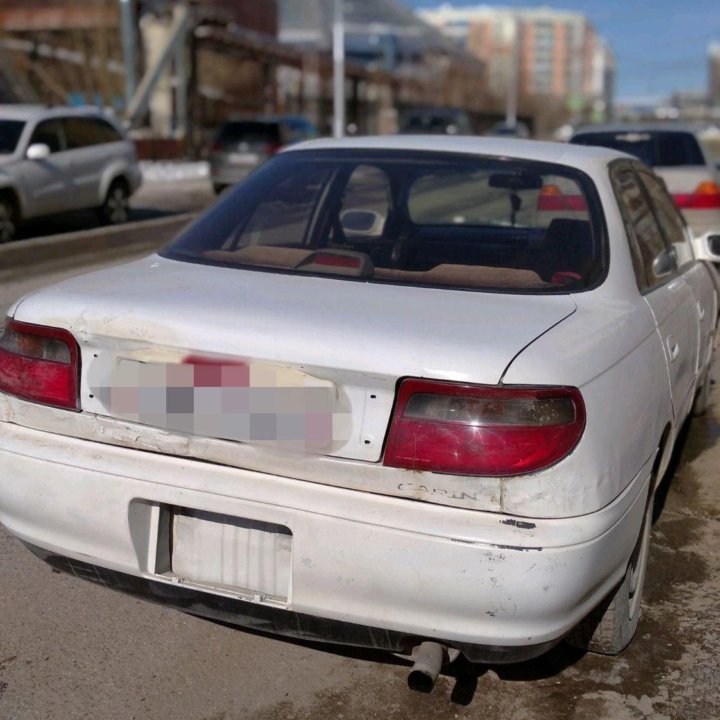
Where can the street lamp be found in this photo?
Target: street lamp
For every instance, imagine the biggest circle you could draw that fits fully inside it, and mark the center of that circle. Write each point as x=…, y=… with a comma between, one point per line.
x=338, y=70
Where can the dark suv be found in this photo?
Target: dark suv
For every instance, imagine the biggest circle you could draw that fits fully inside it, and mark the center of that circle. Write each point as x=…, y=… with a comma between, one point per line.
x=244, y=142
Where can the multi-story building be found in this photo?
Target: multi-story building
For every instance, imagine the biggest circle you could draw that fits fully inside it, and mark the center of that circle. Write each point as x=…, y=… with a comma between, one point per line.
x=545, y=52
x=714, y=74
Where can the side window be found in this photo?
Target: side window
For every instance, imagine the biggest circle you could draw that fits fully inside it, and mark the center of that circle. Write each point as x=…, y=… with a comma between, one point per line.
x=644, y=234
x=669, y=218
x=366, y=202
x=50, y=133
x=105, y=132
x=84, y=132
x=79, y=133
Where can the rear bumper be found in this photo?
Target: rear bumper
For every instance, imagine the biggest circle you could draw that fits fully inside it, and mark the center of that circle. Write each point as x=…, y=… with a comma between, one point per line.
x=365, y=569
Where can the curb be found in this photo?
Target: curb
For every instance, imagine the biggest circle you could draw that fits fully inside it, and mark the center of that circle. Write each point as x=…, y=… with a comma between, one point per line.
x=30, y=256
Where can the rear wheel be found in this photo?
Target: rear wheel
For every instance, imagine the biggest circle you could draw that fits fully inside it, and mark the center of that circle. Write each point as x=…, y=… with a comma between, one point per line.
x=609, y=628
x=219, y=188
x=8, y=220
x=116, y=206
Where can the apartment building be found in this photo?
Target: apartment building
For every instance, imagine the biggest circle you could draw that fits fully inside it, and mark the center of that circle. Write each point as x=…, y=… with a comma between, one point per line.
x=546, y=52
x=714, y=74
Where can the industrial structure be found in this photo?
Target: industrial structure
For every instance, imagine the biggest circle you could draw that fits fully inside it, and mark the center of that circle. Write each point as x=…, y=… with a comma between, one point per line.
x=175, y=69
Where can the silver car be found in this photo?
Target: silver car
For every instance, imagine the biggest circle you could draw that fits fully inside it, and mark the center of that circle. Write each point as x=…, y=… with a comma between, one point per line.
x=676, y=154
x=54, y=160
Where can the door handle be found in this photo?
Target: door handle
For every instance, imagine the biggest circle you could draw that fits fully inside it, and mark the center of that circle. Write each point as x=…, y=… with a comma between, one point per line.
x=701, y=310
x=674, y=348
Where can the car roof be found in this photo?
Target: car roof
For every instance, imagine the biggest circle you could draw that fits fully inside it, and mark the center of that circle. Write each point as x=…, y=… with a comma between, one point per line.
x=580, y=156
x=36, y=112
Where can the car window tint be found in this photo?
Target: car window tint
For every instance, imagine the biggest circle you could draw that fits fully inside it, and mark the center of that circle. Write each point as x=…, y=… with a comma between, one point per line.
x=85, y=132
x=669, y=218
x=641, y=226
x=10, y=132
x=408, y=218
x=249, y=131
x=50, y=133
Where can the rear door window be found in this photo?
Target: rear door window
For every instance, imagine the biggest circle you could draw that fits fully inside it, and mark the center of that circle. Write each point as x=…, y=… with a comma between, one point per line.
x=409, y=218
x=85, y=132
x=669, y=218
x=644, y=234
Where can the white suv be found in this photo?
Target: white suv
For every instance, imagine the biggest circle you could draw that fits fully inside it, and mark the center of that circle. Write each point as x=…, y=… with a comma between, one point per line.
x=58, y=159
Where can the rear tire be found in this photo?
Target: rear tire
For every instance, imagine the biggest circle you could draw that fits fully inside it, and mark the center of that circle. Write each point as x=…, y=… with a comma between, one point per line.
x=610, y=627
x=219, y=188
x=115, y=209
x=8, y=220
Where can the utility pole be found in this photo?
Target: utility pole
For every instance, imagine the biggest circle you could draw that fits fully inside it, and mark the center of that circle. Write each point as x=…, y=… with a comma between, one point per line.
x=511, y=100
x=338, y=70
x=128, y=21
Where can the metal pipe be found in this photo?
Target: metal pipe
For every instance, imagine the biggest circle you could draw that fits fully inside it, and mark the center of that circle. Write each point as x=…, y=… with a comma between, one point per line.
x=339, y=70
x=427, y=666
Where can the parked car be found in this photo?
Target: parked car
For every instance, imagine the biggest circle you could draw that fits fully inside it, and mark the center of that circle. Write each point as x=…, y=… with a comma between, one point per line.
x=56, y=159
x=504, y=129
x=244, y=142
x=383, y=393
x=435, y=121
x=676, y=154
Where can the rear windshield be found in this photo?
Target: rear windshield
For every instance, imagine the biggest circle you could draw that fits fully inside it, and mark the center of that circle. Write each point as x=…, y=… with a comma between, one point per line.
x=408, y=218
x=656, y=148
x=10, y=131
x=249, y=131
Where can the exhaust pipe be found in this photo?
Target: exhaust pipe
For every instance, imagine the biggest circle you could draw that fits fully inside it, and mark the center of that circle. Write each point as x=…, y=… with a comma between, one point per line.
x=427, y=665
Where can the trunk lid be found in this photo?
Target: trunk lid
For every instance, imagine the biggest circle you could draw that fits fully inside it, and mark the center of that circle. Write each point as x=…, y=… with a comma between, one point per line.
x=339, y=346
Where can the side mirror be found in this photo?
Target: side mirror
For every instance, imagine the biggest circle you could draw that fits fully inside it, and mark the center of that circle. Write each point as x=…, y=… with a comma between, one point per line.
x=38, y=151
x=664, y=263
x=707, y=246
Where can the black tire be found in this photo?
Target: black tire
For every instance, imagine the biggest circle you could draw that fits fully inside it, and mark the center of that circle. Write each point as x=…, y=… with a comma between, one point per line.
x=219, y=188
x=609, y=628
x=8, y=220
x=115, y=209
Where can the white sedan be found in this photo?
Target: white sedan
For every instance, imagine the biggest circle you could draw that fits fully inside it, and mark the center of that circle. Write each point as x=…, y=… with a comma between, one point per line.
x=410, y=393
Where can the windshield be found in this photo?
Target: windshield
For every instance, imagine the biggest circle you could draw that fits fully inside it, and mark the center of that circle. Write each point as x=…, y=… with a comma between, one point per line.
x=10, y=131
x=408, y=218
x=656, y=148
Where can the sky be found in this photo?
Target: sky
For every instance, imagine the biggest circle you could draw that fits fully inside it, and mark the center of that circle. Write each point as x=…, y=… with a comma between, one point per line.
x=660, y=45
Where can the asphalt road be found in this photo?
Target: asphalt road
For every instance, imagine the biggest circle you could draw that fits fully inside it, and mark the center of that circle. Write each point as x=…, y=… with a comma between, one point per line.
x=70, y=650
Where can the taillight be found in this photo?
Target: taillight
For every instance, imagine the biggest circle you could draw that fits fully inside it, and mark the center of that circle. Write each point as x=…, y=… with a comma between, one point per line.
x=463, y=429
x=39, y=363
x=706, y=196
x=552, y=199
x=272, y=147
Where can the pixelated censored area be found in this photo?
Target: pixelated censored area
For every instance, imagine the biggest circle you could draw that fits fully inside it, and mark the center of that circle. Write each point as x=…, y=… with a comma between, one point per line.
x=281, y=407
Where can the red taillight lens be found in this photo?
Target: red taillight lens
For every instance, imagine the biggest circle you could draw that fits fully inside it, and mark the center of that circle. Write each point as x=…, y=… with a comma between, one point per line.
x=705, y=197
x=40, y=363
x=552, y=199
x=482, y=430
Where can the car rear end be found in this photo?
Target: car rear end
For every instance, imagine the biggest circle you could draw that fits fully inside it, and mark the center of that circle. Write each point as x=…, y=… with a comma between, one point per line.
x=301, y=427
x=679, y=159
